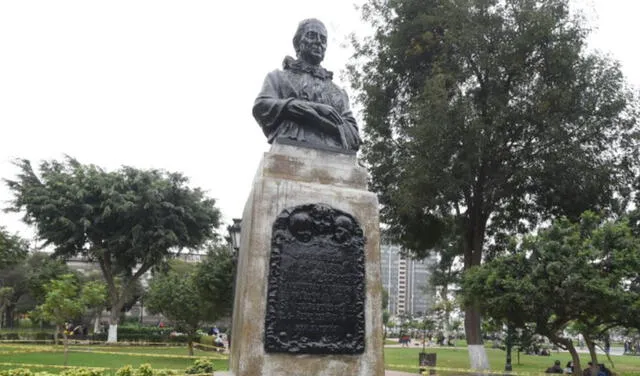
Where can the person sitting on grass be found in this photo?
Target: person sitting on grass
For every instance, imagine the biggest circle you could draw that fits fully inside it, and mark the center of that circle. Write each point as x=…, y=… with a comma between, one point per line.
x=556, y=368
x=568, y=370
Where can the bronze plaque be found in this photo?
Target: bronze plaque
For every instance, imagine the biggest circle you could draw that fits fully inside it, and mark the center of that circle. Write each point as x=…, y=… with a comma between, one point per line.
x=316, y=294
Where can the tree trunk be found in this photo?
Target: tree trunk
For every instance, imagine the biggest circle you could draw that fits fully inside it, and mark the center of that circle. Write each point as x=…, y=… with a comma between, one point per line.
x=114, y=316
x=575, y=358
x=444, y=295
x=477, y=354
x=55, y=334
x=508, y=347
x=473, y=244
x=190, y=344
x=112, y=337
x=96, y=324
x=8, y=315
x=568, y=344
x=592, y=352
x=592, y=348
x=66, y=347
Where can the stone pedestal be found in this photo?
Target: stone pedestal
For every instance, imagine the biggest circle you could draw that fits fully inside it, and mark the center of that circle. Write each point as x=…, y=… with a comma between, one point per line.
x=293, y=189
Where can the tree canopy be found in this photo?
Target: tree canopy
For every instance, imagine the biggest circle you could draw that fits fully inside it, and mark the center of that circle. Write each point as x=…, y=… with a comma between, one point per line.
x=26, y=281
x=571, y=273
x=191, y=295
x=214, y=277
x=128, y=220
x=65, y=300
x=484, y=117
x=13, y=249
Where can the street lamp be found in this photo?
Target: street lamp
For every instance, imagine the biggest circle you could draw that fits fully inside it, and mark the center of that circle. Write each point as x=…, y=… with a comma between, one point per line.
x=234, y=233
x=508, y=346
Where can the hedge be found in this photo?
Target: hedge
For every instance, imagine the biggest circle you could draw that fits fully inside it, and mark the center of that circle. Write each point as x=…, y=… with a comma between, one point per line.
x=125, y=334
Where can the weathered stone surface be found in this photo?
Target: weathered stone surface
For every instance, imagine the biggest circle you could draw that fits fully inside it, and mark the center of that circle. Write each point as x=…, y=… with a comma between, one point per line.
x=289, y=177
x=310, y=165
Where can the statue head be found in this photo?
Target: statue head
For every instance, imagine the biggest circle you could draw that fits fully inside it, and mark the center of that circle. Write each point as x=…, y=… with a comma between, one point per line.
x=310, y=41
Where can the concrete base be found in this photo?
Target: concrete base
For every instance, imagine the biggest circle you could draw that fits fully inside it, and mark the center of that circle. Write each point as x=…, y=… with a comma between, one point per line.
x=290, y=176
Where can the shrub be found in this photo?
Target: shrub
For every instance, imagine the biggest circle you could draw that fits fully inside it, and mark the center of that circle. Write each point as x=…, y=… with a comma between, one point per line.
x=181, y=339
x=43, y=336
x=166, y=372
x=144, y=370
x=99, y=337
x=68, y=372
x=26, y=335
x=207, y=340
x=25, y=323
x=125, y=371
x=17, y=372
x=81, y=372
x=10, y=336
x=200, y=366
x=133, y=333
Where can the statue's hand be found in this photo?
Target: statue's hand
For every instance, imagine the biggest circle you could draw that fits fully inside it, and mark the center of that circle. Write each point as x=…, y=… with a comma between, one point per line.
x=301, y=109
x=307, y=111
x=328, y=112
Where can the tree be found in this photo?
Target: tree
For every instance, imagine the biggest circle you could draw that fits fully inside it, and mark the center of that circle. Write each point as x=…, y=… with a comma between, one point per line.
x=128, y=221
x=27, y=279
x=40, y=268
x=570, y=273
x=386, y=315
x=214, y=277
x=191, y=298
x=484, y=117
x=5, y=299
x=65, y=300
x=13, y=249
x=618, y=276
x=445, y=273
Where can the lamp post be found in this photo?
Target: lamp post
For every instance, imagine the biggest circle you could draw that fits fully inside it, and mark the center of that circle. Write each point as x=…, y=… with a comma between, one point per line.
x=234, y=235
x=508, y=346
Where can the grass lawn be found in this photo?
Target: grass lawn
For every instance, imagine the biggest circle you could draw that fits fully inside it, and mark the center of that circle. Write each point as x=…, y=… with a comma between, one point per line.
x=111, y=357
x=169, y=350
x=100, y=360
x=10, y=348
x=401, y=359
x=406, y=359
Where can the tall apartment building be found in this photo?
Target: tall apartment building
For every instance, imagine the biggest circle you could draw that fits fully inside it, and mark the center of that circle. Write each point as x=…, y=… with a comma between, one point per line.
x=406, y=280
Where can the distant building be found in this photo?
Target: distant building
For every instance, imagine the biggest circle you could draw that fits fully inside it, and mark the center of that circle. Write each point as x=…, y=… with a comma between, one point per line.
x=407, y=281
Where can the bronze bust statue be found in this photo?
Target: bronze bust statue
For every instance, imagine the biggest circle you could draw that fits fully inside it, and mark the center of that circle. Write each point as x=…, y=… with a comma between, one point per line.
x=300, y=103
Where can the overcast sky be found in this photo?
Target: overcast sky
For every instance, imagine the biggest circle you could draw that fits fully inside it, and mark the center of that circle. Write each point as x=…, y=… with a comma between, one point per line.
x=170, y=84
